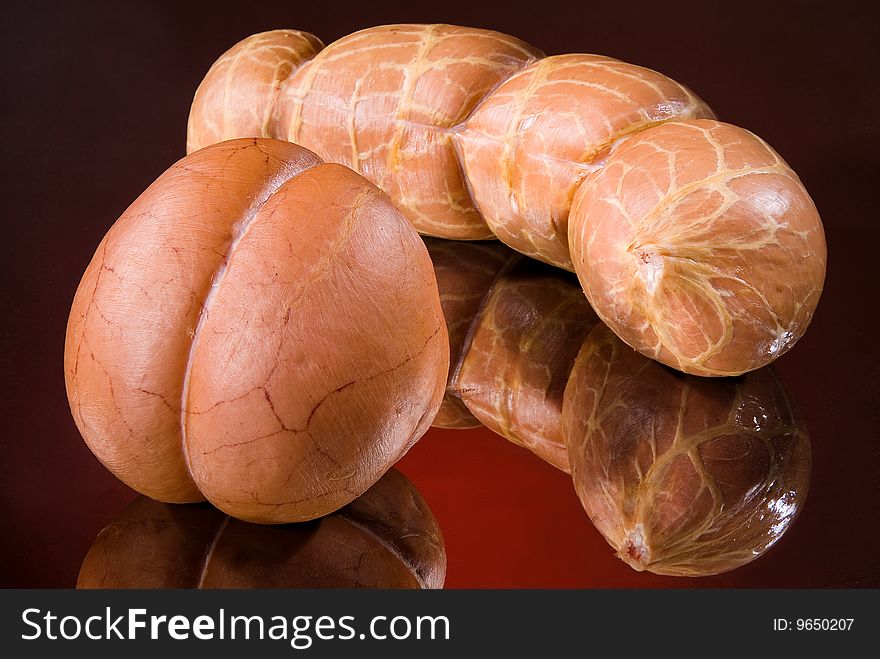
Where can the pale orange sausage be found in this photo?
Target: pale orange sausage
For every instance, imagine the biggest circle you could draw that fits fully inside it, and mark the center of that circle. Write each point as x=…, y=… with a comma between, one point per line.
x=475, y=134
x=259, y=329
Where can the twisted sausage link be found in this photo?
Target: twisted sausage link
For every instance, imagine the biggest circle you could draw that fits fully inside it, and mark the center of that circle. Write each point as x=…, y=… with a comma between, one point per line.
x=693, y=240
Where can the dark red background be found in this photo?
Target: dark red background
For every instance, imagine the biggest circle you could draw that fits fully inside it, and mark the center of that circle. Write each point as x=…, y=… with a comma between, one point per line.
x=95, y=101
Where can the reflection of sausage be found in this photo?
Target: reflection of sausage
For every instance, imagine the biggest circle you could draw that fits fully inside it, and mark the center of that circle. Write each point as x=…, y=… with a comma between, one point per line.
x=259, y=329
x=387, y=538
x=682, y=475
x=694, y=241
x=515, y=326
